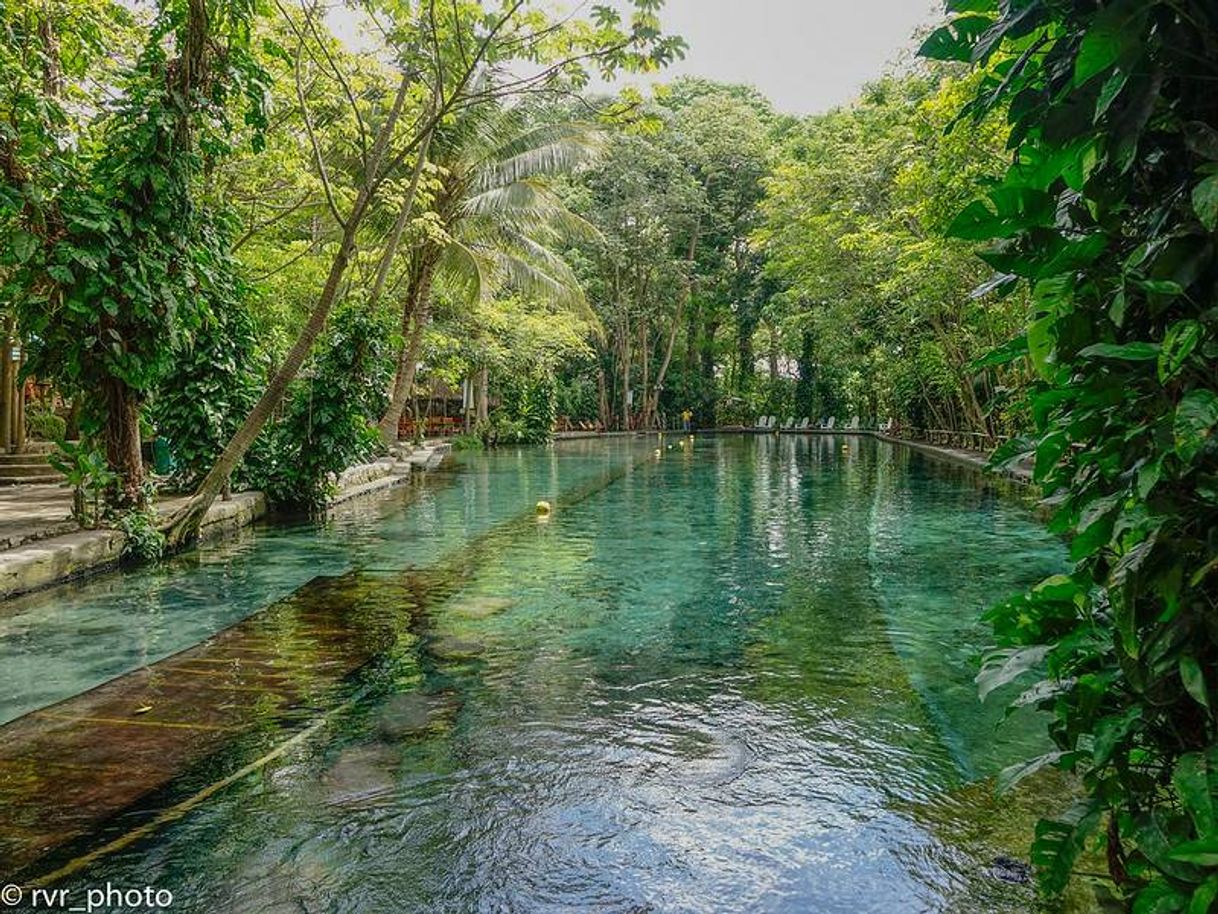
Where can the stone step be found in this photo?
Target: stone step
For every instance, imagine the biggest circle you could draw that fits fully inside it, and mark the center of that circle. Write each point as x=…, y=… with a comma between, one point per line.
x=7, y=460
x=45, y=479
x=28, y=468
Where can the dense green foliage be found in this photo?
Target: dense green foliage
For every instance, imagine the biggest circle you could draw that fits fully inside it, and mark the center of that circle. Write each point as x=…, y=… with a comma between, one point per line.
x=212, y=383
x=879, y=302
x=1109, y=213
x=113, y=258
x=327, y=424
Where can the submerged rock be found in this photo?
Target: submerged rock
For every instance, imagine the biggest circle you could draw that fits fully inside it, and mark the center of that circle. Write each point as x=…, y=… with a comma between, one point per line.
x=361, y=773
x=405, y=715
x=481, y=607
x=1008, y=869
x=449, y=648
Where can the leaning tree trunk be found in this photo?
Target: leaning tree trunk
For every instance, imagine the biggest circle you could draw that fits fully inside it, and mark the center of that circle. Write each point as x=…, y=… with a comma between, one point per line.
x=415, y=312
x=184, y=526
x=121, y=435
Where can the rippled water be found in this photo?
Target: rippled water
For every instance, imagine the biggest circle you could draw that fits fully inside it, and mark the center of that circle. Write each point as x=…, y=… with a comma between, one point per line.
x=734, y=678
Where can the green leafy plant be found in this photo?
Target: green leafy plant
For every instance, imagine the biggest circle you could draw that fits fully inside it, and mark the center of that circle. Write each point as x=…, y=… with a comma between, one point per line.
x=46, y=425
x=1108, y=213
x=212, y=385
x=527, y=412
x=329, y=422
x=467, y=442
x=144, y=542
x=87, y=473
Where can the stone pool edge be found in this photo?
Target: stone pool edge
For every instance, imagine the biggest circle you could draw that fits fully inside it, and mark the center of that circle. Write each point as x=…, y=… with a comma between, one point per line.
x=54, y=560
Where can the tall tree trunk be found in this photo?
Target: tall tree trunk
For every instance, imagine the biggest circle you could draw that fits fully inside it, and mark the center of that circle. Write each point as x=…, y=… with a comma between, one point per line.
x=602, y=399
x=773, y=354
x=415, y=312
x=682, y=302
x=121, y=435
x=805, y=387
x=482, y=393
x=184, y=526
x=625, y=372
x=7, y=374
x=645, y=368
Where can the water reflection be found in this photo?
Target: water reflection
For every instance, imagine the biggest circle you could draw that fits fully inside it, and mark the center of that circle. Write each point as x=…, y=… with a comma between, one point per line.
x=736, y=678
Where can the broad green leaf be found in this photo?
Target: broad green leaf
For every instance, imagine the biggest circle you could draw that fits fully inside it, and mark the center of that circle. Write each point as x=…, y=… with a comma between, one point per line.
x=1111, y=89
x=1116, y=32
x=1124, y=352
x=1204, y=896
x=1002, y=667
x=1192, y=783
x=1013, y=774
x=1202, y=853
x=1178, y=344
x=1205, y=202
x=23, y=245
x=1160, y=897
x=1005, y=354
x=1194, y=680
x=955, y=40
x=1058, y=843
x=1048, y=453
x=1042, y=345
x=1196, y=416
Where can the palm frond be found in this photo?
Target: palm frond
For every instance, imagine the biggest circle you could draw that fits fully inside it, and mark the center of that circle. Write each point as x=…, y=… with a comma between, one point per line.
x=530, y=206
x=463, y=270
x=559, y=154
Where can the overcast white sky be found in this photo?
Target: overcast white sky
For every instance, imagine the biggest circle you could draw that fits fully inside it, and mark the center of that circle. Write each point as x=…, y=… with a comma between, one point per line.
x=806, y=55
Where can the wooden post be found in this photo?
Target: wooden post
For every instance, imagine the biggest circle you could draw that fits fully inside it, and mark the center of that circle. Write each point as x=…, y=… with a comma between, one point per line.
x=6, y=387
x=19, y=411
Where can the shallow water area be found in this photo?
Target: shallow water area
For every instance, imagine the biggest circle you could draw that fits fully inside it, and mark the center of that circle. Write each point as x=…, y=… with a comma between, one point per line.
x=733, y=676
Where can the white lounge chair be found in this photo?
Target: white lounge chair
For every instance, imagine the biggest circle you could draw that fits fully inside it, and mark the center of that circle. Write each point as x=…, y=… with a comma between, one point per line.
x=803, y=424
x=789, y=424
x=832, y=422
x=760, y=423
x=886, y=426
x=854, y=425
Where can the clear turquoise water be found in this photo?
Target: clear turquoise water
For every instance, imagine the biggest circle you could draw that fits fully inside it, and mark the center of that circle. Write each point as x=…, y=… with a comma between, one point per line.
x=733, y=678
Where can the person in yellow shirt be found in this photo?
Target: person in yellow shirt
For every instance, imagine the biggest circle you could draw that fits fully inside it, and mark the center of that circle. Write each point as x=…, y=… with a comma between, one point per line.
x=686, y=416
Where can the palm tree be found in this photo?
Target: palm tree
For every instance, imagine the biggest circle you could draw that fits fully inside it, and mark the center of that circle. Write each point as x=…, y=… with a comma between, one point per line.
x=495, y=221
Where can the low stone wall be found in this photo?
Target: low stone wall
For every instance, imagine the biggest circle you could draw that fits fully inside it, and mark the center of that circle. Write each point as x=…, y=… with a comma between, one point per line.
x=56, y=559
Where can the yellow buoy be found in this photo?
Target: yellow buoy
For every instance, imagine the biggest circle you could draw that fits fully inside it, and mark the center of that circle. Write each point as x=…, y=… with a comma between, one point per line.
x=543, y=508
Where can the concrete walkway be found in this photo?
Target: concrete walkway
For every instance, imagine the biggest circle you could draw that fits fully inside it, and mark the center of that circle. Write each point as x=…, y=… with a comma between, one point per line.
x=33, y=512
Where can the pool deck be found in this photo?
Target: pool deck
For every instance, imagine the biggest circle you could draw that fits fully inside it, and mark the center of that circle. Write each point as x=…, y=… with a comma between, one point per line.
x=40, y=545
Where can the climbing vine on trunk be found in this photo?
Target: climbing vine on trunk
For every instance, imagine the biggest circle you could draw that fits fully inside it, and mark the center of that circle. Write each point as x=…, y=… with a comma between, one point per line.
x=115, y=267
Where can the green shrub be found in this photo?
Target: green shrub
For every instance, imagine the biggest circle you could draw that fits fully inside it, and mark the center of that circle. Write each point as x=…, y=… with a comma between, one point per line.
x=1109, y=212
x=45, y=425
x=329, y=423
x=213, y=385
x=470, y=441
x=527, y=412
x=144, y=542
x=84, y=465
